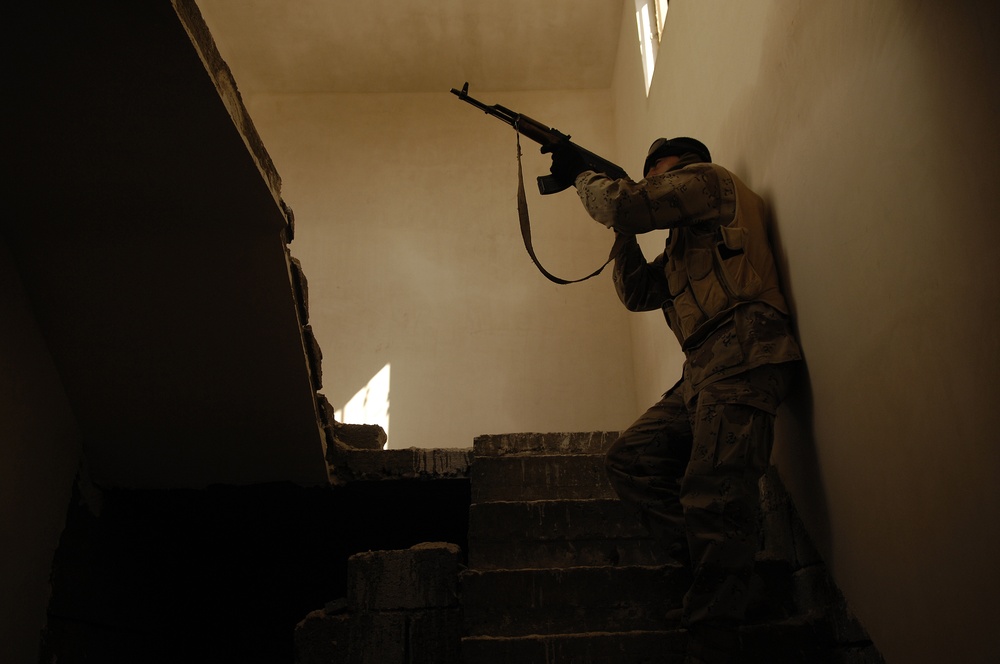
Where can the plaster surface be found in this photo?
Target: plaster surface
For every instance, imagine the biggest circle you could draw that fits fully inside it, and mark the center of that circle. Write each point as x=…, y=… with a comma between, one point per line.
x=869, y=129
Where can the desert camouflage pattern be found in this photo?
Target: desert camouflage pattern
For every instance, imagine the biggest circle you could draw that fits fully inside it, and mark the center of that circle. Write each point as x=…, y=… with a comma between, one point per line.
x=691, y=470
x=715, y=282
x=691, y=464
x=754, y=335
x=696, y=193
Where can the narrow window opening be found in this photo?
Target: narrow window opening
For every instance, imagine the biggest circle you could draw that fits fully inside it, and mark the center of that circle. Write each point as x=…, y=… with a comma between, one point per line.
x=649, y=18
x=661, y=15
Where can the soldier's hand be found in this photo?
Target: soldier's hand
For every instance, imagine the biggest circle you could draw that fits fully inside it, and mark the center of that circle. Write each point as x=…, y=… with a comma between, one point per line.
x=567, y=161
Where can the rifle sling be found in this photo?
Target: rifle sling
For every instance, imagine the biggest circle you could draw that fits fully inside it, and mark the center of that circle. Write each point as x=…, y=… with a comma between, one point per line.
x=522, y=213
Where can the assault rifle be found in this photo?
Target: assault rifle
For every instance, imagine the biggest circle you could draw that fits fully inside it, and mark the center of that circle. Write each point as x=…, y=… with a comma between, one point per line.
x=551, y=140
x=547, y=137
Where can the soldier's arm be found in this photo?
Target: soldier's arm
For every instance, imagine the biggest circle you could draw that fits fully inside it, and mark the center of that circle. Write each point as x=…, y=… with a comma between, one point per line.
x=641, y=286
x=687, y=196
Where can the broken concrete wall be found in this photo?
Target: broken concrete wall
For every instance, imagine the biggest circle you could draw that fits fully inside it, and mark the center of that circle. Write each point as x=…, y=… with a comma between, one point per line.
x=402, y=607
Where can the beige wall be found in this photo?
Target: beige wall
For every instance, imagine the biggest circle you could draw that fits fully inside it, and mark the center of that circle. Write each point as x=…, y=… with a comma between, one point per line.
x=39, y=455
x=871, y=130
x=407, y=230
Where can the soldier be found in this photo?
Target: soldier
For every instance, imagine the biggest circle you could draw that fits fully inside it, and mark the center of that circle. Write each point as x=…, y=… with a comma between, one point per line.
x=691, y=464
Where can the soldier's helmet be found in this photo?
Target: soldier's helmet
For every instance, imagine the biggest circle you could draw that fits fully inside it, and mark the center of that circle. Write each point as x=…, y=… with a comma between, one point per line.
x=665, y=147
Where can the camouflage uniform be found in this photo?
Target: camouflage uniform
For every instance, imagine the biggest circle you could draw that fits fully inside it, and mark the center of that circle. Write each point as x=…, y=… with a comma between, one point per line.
x=691, y=464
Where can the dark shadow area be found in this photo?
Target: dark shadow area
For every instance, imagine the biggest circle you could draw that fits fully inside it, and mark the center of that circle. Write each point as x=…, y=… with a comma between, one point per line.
x=225, y=574
x=797, y=462
x=795, y=439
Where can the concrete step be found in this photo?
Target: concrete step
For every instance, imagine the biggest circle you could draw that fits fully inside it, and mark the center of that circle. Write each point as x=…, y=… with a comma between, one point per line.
x=807, y=638
x=561, y=571
x=635, y=647
x=520, y=477
x=574, y=600
x=557, y=533
x=596, y=443
x=799, y=641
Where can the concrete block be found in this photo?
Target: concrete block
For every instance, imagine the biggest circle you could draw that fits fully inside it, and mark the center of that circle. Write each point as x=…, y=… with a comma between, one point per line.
x=360, y=436
x=581, y=599
x=423, y=576
x=314, y=355
x=555, y=519
x=596, y=443
x=567, y=533
x=514, y=554
x=323, y=638
x=421, y=636
x=539, y=477
x=289, y=230
x=637, y=647
x=326, y=413
x=300, y=286
x=348, y=463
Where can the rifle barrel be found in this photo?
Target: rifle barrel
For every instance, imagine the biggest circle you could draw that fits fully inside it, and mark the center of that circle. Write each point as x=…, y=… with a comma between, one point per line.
x=497, y=111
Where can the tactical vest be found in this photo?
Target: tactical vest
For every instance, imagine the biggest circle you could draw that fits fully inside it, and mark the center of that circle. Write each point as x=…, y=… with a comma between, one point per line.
x=710, y=273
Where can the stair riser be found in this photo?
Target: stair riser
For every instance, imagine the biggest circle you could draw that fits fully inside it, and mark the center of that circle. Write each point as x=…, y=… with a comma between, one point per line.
x=565, y=533
x=563, y=520
x=553, y=575
x=596, y=443
x=599, y=599
x=631, y=648
x=520, y=621
x=771, y=644
x=521, y=478
x=487, y=554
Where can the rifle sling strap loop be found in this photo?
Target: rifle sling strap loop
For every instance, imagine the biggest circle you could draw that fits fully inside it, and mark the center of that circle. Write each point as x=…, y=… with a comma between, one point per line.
x=522, y=213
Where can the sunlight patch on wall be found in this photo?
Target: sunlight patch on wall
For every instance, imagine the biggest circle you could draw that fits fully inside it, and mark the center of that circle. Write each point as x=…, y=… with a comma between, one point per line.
x=370, y=405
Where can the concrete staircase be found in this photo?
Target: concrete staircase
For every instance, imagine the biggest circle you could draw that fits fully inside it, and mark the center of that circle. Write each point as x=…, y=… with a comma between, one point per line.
x=559, y=571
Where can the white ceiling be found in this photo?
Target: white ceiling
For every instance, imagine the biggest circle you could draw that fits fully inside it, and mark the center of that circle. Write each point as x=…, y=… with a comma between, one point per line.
x=295, y=46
